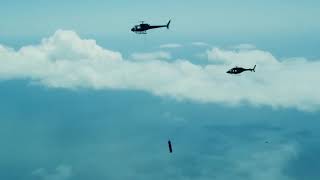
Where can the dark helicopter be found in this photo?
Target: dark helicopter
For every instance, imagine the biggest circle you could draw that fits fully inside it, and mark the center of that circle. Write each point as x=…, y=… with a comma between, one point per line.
x=238, y=70
x=143, y=27
x=170, y=146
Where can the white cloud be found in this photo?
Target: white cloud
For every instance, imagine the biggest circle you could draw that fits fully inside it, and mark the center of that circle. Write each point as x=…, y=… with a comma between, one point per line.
x=160, y=55
x=242, y=57
x=62, y=172
x=168, y=46
x=66, y=61
x=199, y=44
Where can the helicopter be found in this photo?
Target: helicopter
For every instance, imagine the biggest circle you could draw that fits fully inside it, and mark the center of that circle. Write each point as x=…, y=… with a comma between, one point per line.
x=238, y=70
x=143, y=27
x=170, y=146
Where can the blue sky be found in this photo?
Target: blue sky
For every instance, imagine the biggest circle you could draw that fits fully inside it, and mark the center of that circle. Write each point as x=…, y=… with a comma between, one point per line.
x=113, y=17
x=82, y=97
x=277, y=26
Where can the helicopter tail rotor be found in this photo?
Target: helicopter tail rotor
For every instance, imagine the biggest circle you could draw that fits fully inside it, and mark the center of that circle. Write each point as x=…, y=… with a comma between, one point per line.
x=254, y=68
x=168, y=25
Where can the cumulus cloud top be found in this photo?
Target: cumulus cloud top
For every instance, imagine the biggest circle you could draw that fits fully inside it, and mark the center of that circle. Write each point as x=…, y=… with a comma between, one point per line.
x=66, y=45
x=241, y=57
x=64, y=60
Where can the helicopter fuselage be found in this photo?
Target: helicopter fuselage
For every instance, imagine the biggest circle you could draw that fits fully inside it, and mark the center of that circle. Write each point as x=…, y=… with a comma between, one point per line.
x=238, y=70
x=144, y=27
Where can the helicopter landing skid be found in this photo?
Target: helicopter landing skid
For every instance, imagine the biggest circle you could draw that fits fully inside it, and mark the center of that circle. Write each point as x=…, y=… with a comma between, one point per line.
x=141, y=32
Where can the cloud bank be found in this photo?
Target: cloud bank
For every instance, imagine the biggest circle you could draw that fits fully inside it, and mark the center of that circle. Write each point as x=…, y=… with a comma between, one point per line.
x=64, y=60
x=159, y=55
